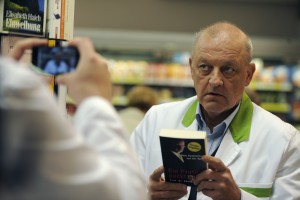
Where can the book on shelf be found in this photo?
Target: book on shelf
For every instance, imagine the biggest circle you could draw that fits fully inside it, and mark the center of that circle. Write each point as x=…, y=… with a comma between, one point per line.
x=69, y=19
x=23, y=17
x=181, y=154
x=53, y=19
x=60, y=19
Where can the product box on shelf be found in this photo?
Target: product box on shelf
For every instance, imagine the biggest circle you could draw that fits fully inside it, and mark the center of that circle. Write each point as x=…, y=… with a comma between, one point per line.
x=60, y=19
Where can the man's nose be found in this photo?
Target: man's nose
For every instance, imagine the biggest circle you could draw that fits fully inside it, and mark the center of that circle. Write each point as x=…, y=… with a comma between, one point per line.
x=215, y=78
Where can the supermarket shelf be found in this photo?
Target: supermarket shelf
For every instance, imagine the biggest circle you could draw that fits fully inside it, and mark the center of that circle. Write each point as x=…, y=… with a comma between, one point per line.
x=162, y=82
x=122, y=100
x=276, y=107
x=271, y=86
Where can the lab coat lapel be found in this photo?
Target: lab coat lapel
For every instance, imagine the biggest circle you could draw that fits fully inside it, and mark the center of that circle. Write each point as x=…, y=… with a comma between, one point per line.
x=228, y=149
x=238, y=131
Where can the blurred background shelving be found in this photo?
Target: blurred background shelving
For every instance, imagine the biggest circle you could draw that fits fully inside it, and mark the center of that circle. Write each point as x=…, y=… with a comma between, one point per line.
x=169, y=74
x=152, y=49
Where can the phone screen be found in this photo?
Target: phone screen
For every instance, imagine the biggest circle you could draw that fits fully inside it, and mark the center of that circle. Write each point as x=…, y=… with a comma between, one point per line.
x=55, y=60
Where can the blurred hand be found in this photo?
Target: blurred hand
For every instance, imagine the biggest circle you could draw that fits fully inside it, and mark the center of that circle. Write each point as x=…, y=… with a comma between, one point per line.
x=91, y=77
x=159, y=189
x=19, y=49
x=217, y=182
x=25, y=44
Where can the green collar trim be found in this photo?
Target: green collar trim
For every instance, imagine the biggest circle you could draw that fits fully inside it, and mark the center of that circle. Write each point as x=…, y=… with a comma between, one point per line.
x=259, y=192
x=190, y=115
x=240, y=125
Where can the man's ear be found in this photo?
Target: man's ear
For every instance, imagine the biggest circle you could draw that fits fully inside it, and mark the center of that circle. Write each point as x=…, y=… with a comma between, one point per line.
x=250, y=71
x=191, y=62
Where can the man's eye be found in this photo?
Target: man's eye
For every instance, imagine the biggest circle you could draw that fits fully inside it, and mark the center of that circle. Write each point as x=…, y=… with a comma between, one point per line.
x=228, y=70
x=204, y=68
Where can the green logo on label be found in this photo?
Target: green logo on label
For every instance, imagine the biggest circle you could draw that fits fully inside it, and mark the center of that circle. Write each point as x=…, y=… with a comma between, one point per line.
x=194, y=146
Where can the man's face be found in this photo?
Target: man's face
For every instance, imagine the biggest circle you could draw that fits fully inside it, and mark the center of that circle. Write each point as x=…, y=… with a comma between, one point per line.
x=181, y=145
x=220, y=73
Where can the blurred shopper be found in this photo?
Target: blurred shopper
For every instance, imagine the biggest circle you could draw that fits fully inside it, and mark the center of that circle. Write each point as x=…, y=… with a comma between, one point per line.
x=140, y=100
x=44, y=157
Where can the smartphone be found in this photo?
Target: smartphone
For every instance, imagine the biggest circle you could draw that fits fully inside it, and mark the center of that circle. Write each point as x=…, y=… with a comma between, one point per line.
x=55, y=60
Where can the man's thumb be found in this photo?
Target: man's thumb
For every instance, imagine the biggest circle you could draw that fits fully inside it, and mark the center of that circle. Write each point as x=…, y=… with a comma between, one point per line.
x=157, y=173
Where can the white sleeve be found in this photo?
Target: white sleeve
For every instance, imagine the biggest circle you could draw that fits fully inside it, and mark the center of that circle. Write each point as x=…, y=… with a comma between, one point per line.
x=287, y=180
x=287, y=183
x=248, y=196
x=102, y=129
x=50, y=156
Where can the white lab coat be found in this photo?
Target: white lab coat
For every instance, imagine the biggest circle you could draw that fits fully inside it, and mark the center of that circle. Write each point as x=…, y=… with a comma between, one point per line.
x=93, y=160
x=269, y=158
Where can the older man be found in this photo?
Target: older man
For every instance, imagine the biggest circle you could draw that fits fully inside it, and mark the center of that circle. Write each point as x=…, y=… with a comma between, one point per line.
x=256, y=153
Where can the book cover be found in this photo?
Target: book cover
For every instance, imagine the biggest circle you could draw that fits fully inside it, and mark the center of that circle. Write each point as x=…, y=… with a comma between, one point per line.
x=24, y=17
x=181, y=154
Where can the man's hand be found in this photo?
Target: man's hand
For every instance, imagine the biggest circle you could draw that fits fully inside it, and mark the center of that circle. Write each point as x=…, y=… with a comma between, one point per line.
x=217, y=182
x=159, y=189
x=19, y=49
x=27, y=44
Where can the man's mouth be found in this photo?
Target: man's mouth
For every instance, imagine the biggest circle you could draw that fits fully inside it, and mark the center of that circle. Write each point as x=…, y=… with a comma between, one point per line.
x=214, y=94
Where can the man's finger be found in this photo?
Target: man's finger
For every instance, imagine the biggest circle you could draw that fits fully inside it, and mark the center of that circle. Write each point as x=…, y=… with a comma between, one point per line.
x=157, y=173
x=214, y=163
x=20, y=47
x=83, y=44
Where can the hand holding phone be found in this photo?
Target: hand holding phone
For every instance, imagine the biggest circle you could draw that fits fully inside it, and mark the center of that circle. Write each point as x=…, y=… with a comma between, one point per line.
x=91, y=77
x=55, y=60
